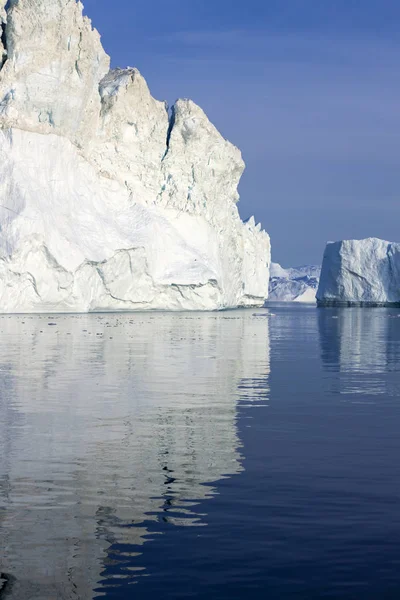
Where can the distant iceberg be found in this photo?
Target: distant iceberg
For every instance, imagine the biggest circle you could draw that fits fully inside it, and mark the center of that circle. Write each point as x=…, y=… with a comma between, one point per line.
x=360, y=272
x=297, y=284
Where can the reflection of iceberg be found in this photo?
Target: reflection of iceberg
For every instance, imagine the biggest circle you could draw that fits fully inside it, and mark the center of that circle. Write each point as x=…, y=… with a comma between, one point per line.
x=104, y=417
x=360, y=344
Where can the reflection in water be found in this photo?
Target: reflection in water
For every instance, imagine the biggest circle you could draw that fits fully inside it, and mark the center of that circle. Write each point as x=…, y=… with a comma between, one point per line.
x=361, y=344
x=108, y=422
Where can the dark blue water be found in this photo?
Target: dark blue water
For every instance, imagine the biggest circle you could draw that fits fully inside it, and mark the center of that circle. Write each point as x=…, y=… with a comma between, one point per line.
x=252, y=454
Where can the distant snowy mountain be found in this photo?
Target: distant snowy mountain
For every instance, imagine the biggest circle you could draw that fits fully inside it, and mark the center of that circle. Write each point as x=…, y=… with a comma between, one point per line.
x=298, y=284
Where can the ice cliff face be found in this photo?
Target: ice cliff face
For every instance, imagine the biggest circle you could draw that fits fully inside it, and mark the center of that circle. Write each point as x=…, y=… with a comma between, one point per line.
x=297, y=284
x=49, y=82
x=106, y=201
x=360, y=272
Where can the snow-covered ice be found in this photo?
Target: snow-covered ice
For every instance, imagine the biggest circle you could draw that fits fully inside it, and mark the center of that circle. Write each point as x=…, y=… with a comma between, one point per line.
x=297, y=284
x=360, y=272
x=107, y=200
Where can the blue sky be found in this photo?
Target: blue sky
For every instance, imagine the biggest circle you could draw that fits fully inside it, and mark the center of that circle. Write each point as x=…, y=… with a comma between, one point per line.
x=308, y=89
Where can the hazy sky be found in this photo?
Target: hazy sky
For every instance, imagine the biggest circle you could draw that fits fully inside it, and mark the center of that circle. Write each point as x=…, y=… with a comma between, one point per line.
x=308, y=89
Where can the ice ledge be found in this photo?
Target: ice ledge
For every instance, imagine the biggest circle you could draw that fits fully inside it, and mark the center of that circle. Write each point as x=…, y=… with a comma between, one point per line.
x=120, y=283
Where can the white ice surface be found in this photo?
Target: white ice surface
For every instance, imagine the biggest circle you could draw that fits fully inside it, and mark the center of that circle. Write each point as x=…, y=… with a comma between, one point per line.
x=106, y=202
x=360, y=271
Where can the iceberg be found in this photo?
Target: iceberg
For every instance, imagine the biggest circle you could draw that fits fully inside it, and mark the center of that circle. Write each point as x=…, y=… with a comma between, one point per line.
x=297, y=284
x=360, y=272
x=108, y=199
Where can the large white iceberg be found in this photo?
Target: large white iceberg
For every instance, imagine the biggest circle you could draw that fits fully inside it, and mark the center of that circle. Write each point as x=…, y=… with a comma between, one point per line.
x=298, y=284
x=108, y=201
x=360, y=272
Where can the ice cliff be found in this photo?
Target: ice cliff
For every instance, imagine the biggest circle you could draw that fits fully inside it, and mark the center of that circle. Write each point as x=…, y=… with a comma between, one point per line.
x=298, y=284
x=360, y=272
x=107, y=200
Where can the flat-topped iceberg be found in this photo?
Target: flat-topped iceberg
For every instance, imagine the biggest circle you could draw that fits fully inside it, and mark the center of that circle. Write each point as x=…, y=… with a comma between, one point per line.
x=108, y=201
x=360, y=272
x=298, y=284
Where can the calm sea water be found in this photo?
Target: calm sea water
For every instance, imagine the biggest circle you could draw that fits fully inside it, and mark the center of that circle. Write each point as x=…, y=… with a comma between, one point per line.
x=246, y=454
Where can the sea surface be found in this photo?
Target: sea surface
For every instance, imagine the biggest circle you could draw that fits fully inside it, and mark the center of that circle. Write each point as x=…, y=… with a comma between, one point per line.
x=250, y=454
